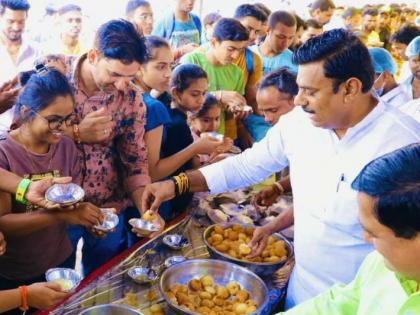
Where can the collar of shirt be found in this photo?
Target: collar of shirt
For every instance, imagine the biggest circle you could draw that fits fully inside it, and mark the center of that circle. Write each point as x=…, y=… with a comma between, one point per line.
x=406, y=86
x=395, y=93
x=361, y=125
x=410, y=286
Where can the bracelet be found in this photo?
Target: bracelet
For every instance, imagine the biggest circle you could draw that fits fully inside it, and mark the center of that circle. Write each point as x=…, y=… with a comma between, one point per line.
x=24, y=298
x=277, y=186
x=182, y=184
x=21, y=190
x=176, y=186
x=76, y=134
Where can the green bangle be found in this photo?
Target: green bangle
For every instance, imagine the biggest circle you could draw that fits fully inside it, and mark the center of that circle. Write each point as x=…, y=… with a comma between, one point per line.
x=21, y=190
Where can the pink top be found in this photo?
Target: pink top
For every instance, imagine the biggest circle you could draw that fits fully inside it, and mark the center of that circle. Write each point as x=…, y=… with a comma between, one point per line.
x=30, y=256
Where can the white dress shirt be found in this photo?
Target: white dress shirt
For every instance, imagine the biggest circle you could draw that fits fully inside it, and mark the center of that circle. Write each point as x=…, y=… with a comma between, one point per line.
x=25, y=61
x=397, y=97
x=329, y=245
x=412, y=109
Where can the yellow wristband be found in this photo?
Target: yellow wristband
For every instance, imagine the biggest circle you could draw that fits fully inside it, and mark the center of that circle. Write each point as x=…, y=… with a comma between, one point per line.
x=21, y=190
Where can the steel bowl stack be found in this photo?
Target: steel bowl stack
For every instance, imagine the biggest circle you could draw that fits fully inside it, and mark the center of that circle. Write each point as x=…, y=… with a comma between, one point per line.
x=222, y=272
x=262, y=269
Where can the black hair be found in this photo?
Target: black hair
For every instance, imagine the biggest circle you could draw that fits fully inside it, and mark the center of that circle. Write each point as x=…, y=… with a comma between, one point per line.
x=230, y=29
x=211, y=18
x=282, y=17
x=40, y=88
x=405, y=34
x=245, y=10
x=282, y=79
x=263, y=8
x=119, y=39
x=184, y=75
x=209, y=103
x=299, y=22
x=394, y=179
x=132, y=5
x=313, y=23
x=153, y=42
x=69, y=8
x=344, y=56
x=322, y=5
x=370, y=11
x=350, y=12
x=15, y=5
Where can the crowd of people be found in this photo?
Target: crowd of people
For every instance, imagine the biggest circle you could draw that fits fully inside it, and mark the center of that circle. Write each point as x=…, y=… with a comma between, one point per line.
x=327, y=108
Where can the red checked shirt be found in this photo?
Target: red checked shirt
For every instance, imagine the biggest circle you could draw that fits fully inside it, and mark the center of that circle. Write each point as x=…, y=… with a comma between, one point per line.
x=113, y=169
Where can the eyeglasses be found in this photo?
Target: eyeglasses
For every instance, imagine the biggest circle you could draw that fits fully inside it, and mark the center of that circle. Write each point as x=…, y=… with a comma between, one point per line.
x=56, y=123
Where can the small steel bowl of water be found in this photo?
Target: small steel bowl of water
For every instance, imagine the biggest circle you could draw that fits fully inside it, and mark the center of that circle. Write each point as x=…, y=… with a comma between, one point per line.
x=212, y=134
x=175, y=241
x=142, y=275
x=64, y=194
x=110, y=221
x=174, y=260
x=144, y=227
x=66, y=278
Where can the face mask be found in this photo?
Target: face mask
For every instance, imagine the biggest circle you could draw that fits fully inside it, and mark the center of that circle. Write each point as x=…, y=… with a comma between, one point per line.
x=379, y=91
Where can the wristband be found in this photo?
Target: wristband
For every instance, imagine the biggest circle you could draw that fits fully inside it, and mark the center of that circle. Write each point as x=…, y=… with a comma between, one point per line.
x=23, y=298
x=76, y=134
x=21, y=190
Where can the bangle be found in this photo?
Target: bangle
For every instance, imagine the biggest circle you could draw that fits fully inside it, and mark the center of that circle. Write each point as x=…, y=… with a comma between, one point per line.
x=277, y=186
x=176, y=186
x=182, y=184
x=76, y=134
x=21, y=190
x=23, y=298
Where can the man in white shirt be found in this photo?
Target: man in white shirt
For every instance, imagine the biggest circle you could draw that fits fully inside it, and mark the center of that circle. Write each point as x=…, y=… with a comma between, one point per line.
x=16, y=54
x=337, y=128
x=385, y=85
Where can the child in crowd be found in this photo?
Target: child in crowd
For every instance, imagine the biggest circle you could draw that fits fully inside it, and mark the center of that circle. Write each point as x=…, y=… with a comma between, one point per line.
x=155, y=75
x=188, y=86
x=37, y=238
x=207, y=119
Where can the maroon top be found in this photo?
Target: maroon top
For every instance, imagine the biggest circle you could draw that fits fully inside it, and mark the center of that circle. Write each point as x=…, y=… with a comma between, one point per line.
x=30, y=256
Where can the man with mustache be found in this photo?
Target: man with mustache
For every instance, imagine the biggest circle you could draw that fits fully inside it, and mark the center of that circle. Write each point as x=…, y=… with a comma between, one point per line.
x=16, y=54
x=337, y=128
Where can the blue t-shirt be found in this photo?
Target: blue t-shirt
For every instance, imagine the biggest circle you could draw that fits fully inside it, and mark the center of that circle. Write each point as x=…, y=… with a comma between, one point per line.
x=184, y=33
x=156, y=114
x=273, y=63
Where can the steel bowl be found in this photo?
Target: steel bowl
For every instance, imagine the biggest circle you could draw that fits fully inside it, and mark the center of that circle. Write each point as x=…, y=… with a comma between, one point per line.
x=110, y=309
x=212, y=134
x=64, y=194
x=142, y=275
x=262, y=269
x=222, y=272
x=67, y=278
x=174, y=260
x=235, y=150
x=144, y=227
x=175, y=241
x=110, y=221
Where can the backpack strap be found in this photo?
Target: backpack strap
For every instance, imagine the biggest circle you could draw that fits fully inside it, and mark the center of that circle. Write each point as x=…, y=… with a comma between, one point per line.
x=249, y=60
x=168, y=25
x=197, y=23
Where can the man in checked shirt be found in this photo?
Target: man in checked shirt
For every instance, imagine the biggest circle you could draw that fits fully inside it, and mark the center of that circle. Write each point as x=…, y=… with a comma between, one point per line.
x=109, y=130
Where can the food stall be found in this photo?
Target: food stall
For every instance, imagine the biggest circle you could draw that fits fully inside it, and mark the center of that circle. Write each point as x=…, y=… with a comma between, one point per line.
x=120, y=282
